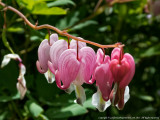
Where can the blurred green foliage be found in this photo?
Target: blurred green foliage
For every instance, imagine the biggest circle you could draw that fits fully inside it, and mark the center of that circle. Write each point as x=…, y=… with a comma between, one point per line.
x=126, y=23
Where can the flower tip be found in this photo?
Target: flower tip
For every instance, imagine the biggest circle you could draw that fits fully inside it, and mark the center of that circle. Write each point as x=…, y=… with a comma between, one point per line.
x=49, y=76
x=21, y=89
x=70, y=89
x=78, y=101
x=120, y=107
x=39, y=68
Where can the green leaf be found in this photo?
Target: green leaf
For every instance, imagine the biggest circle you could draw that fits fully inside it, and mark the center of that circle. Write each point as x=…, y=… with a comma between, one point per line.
x=9, y=98
x=155, y=50
x=146, y=97
x=42, y=9
x=69, y=20
x=29, y=3
x=60, y=2
x=26, y=3
x=84, y=24
x=3, y=115
x=88, y=104
x=15, y=29
x=66, y=111
x=34, y=108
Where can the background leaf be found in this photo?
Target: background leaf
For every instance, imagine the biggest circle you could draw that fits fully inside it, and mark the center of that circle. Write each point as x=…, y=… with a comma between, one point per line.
x=66, y=111
x=34, y=108
x=60, y=2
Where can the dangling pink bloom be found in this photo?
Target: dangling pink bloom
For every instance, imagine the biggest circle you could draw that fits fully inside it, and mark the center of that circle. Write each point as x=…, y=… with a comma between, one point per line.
x=71, y=67
x=43, y=53
x=103, y=74
x=58, y=48
x=104, y=80
x=123, y=68
x=44, y=57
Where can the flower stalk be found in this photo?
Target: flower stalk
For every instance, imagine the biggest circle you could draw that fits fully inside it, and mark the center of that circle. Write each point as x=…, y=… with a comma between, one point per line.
x=62, y=33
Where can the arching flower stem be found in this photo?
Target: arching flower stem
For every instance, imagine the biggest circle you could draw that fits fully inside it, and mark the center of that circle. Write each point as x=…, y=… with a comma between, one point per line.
x=62, y=33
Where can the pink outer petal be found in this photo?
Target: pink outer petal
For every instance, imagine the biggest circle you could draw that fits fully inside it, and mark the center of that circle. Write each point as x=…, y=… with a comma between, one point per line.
x=73, y=44
x=119, y=71
x=99, y=61
x=53, y=38
x=115, y=53
x=39, y=68
x=56, y=50
x=87, y=58
x=129, y=76
x=68, y=66
x=51, y=67
x=100, y=55
x=43, y=55
x=104, y=80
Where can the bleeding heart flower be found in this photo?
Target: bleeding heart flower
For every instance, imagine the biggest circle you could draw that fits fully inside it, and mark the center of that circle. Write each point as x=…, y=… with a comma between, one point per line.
x=71, y=67
x=44, y=57
x=58, y=48
x=43, y=53
x=123, y=68
x=75, y=70
x=104, y=80
x=103, y=75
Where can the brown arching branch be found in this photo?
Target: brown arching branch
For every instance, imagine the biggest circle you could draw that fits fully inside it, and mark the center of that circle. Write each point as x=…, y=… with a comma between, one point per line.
x=62, y=33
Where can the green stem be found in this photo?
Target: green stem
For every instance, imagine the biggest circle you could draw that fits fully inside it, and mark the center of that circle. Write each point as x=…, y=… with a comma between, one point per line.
x=5, y=42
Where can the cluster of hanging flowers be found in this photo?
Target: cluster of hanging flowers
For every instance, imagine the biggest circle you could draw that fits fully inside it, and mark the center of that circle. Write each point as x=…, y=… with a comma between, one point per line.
x=73, y=63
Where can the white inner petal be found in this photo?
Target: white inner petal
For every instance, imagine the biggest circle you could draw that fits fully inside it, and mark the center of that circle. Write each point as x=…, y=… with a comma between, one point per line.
x=70, y=89
x=80, y=94
x=49, y=76
x=98, y=101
